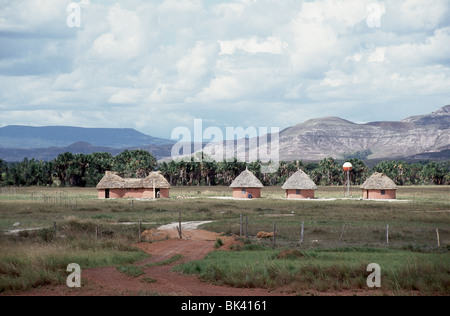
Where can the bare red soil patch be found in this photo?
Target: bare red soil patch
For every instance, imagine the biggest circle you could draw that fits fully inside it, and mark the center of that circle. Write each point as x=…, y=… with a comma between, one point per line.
x=109, y=281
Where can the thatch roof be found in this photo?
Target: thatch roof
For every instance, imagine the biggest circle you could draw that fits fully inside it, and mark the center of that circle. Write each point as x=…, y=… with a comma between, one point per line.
x=246, y=180
x=379, y=181
x=299, y=181
x=158, y=179
x=112, y=181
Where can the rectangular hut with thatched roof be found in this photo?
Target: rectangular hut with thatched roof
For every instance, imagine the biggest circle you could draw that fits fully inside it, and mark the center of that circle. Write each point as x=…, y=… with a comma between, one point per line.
x=299, y=186
x=112, y=186
x=379, y=187
x=246, y=186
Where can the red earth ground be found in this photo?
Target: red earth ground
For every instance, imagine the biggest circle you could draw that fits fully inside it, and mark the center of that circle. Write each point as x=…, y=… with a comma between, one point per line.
x=108, y=281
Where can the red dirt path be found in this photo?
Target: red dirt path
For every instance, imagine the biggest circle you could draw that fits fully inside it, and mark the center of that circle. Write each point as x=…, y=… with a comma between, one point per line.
x=108, y=281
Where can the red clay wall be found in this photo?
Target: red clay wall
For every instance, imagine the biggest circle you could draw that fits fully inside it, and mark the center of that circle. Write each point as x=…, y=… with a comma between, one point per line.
x=133, y=193
x=376, y=194
x=304, y=194
x=238, y=193
x=101, y=194
x=164, y=193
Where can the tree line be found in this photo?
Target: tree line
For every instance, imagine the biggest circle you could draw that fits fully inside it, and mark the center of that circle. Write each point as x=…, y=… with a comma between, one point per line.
x=86, y=170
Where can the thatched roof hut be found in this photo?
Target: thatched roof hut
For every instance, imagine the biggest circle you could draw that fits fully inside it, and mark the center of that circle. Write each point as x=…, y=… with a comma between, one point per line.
x=299, y=181
x=379, y=186
x=379, y=181
x=246, y=185
x=155, y=179
x=246, y=180
x=112, y=180
x=114, y=186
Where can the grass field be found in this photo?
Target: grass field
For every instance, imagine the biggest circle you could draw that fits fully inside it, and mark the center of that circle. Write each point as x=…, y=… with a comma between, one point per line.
x=339, y=235
x=324, y=270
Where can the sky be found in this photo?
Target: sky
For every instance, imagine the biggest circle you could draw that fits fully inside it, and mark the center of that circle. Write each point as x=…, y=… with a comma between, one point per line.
x=158, y=65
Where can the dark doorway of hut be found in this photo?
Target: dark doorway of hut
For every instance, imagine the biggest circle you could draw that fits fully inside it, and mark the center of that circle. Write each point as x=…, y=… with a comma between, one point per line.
x=107, y=194
x=158, y=193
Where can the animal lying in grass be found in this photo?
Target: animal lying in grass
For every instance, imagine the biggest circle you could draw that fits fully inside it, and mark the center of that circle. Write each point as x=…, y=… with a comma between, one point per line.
x=262, y=234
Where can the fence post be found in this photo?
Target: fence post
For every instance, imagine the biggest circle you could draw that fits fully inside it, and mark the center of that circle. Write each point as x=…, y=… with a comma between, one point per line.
x=342, y=233
x=140, y=229
x=180, y=233
x=274, y=234
x=437, y=236
x=246, y=227
x=301, y=232
x=387, y=234
x=240, y=226
x=96, y=232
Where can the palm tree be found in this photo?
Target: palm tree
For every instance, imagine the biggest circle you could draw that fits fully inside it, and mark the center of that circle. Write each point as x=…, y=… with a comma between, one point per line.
x=358, y=172
x=62, y=164
x=330, y=171
x=97, y=165
x=134, y=163
x=436, y=172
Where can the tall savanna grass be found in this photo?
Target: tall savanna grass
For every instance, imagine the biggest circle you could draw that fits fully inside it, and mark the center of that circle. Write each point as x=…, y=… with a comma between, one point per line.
x=411, y=261
x=297, y=271
x=41, y=258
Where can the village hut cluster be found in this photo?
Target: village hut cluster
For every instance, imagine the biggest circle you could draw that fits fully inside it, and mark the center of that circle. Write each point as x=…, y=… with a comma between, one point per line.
x=245, y=186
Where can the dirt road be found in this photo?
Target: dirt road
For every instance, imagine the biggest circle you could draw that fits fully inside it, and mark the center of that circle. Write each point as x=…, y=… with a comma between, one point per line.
x=109, y=281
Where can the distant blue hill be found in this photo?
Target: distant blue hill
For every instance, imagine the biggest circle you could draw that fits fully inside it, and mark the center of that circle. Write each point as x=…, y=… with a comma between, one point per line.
x=27, y=137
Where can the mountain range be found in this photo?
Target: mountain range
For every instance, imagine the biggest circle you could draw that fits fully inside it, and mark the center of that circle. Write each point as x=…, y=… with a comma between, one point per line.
x=414, y=138
x=46, y=143
x=14, y=136
x=339, y=138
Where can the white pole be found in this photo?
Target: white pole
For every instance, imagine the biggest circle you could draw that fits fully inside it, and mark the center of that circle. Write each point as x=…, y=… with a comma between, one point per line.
x=348, y=182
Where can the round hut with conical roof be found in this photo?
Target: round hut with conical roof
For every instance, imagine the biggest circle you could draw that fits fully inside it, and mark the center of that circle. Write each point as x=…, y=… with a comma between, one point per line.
x=246, y=186
x=299, y=186
x=112, y=186
x=379, y=187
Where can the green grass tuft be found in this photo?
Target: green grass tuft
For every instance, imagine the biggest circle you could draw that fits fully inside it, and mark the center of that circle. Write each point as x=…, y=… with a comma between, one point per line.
x=132, y=271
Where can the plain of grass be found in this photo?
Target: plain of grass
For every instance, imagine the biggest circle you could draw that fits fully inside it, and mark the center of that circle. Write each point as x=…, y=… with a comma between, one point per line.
x=27, y=265
x=325, y=270
x=40, y=258
x=37, y=258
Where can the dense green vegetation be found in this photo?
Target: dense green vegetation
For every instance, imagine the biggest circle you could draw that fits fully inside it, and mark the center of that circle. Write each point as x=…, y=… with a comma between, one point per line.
x=79, y=170
x=76, y=170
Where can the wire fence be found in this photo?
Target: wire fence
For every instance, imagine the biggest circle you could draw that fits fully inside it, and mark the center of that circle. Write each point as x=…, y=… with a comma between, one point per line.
x=291, y=230
x=331, y=233
x=8, y=191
